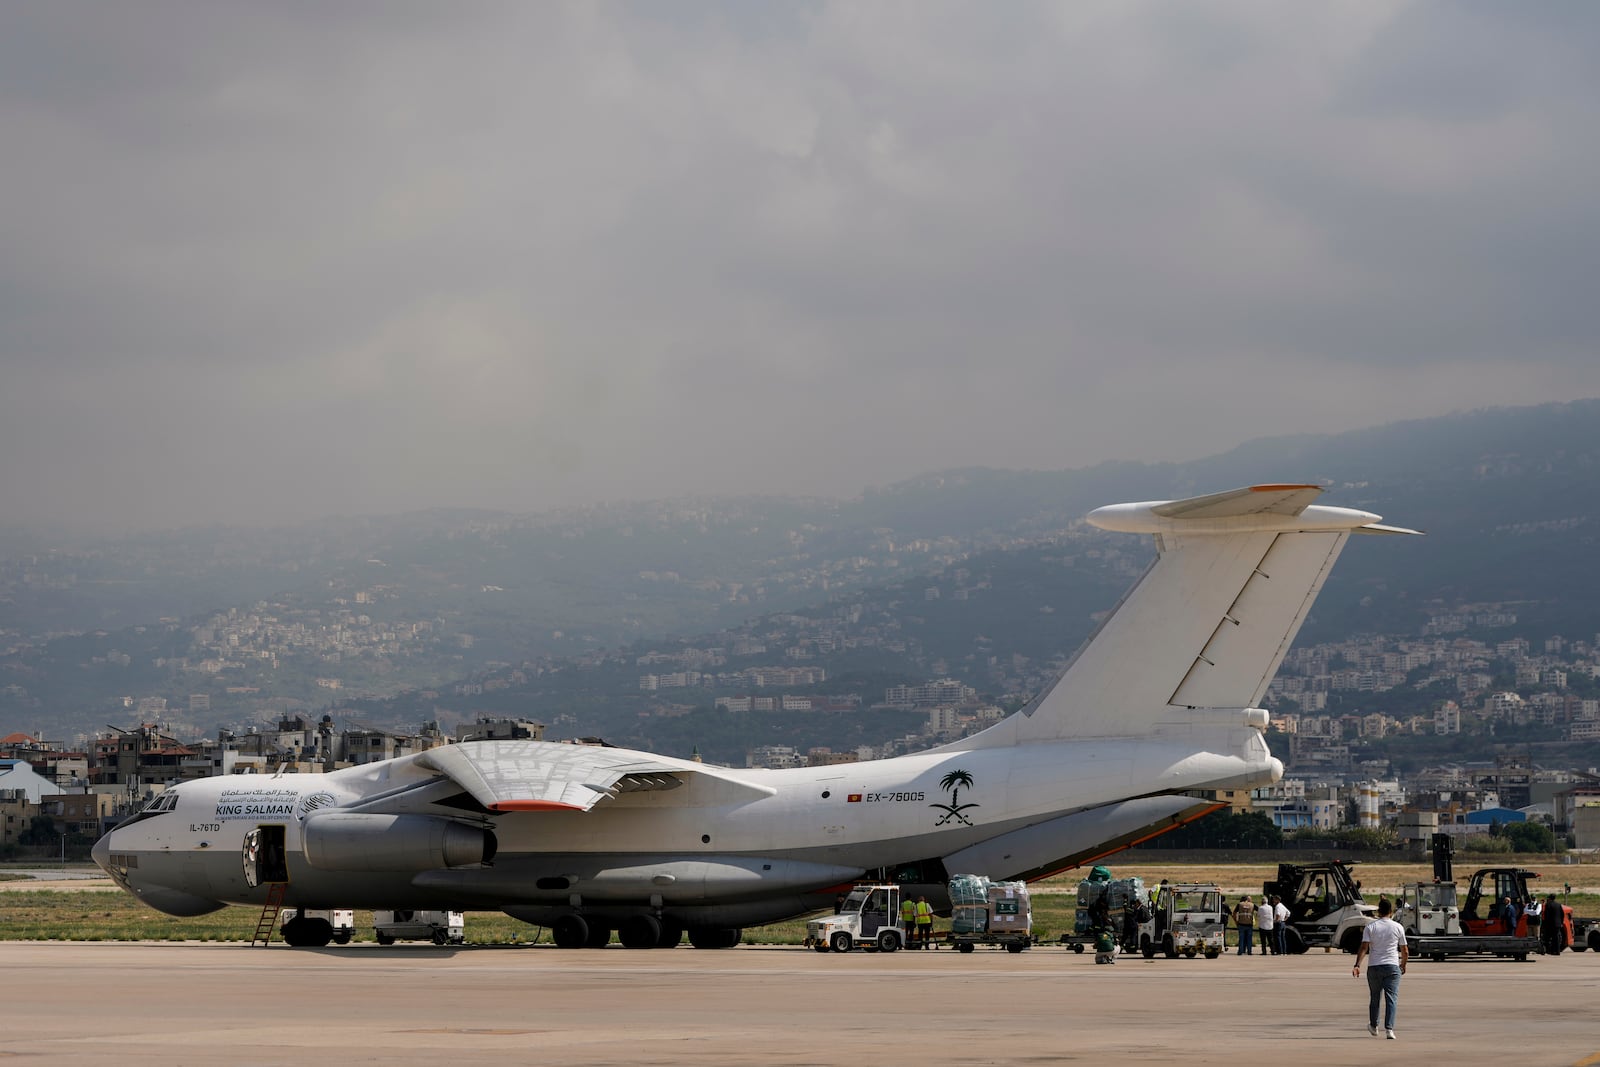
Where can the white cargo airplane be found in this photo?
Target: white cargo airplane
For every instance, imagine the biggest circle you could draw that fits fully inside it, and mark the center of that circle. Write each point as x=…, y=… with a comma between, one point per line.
x=1158, y=707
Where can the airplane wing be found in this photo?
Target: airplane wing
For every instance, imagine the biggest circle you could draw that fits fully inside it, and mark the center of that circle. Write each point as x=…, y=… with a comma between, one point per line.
x=545, y=776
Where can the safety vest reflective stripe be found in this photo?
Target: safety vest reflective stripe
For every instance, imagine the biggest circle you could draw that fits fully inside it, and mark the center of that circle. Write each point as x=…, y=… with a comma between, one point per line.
x=908, y=910
x=924, y=913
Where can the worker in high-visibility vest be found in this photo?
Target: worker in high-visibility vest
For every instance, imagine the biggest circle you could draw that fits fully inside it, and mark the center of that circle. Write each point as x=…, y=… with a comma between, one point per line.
x=908, y=920
x=925, y=922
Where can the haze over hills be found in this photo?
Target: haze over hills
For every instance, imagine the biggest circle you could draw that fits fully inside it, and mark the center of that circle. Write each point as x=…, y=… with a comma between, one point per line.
x=257, y=621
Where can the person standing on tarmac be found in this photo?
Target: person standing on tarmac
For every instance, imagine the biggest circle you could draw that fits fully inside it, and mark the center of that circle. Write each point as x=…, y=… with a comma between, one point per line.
x=1264, y=924
x=1162, y=896
x=908, y=920
x=1280, y=925
x=925, y=922
x=1132, y=915
x=1552, y=932
x=1244, y=917
x=1506, y=912
x=1383, y=946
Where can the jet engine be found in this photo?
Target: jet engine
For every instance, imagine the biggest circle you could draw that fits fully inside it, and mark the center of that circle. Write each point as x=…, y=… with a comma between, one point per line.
x=355, y=841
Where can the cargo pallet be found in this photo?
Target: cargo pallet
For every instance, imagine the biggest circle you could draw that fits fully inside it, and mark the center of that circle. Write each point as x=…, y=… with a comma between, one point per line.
x=1010, y=942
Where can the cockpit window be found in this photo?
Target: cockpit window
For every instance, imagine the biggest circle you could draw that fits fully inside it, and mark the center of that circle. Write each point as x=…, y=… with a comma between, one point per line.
x=159, y=806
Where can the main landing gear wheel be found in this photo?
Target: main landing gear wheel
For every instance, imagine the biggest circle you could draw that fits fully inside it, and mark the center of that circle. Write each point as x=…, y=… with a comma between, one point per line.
x=671, y=934
x=715, y=936
x=639, y=931
x=599, y=936
x=307, y=933
x=570, y=931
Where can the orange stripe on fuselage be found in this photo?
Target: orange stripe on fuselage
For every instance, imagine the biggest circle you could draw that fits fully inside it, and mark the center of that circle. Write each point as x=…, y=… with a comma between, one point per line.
x=1123, y=848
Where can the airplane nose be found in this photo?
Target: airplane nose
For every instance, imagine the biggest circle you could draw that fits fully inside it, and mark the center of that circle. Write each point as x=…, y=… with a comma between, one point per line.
x=101, y=853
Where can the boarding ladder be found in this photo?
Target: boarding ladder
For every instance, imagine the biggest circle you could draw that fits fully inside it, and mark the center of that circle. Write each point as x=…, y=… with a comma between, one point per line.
x=269, y=913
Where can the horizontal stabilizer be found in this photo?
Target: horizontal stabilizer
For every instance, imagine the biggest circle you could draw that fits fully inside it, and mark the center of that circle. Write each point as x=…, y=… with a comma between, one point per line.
x=1253, y=500
x=1379, y=528
x=1253, y=509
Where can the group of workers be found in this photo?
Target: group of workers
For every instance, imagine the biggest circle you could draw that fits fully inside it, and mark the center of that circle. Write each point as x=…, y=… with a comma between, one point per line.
x=917, y=917
x=1269, y=920
x=1551, y=934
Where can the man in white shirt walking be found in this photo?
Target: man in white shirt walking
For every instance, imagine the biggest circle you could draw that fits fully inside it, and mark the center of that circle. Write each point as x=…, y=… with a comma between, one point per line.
x=1280, y=925
x=1383, y=946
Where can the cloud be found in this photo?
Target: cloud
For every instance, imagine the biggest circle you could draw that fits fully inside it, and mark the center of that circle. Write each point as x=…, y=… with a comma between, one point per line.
x=276, y=261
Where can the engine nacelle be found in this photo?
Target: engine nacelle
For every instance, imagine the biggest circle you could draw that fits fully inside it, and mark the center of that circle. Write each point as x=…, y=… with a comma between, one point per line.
x=354, y=841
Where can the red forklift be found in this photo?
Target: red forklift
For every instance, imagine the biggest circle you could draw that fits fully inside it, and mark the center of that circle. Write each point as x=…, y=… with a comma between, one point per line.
x=1484, y=913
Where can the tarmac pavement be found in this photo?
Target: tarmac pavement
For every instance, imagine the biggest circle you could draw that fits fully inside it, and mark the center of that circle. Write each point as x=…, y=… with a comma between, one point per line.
x=159, y=1003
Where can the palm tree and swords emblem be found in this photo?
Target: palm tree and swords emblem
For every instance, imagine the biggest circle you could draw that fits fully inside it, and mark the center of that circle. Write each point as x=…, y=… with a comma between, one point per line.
x=953, y=782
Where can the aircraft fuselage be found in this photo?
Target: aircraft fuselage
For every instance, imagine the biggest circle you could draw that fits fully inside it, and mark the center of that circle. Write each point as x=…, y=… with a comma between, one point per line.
x=757, y=858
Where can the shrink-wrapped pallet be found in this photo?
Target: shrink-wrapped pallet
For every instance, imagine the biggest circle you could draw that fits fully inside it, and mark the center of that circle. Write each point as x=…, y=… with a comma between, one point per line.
x=969, y=904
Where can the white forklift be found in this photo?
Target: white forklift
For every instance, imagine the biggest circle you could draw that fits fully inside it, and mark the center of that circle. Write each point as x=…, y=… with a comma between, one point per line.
x=869, y=917
x=1186, y=921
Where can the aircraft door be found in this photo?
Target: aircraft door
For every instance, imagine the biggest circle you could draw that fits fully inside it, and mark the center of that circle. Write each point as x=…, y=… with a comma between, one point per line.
x=266, y=857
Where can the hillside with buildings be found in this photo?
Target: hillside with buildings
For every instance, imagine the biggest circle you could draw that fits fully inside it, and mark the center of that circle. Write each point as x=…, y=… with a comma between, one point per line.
x=1454, y=674
x=814, y=616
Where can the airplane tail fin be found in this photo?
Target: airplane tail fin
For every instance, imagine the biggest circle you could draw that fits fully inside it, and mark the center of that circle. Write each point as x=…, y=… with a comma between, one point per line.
x=1207, y=624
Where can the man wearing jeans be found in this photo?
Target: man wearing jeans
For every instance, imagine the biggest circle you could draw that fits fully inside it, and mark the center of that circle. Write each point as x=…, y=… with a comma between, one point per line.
x=1244, y=917
x=1383, y=946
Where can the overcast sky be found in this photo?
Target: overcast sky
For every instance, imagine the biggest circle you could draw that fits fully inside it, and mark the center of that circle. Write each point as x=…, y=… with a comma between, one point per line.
x=262, y=262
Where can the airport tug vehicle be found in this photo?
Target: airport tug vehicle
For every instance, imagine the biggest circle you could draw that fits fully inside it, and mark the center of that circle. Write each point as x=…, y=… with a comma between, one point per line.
x=868, y=918
x=1186, y=921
